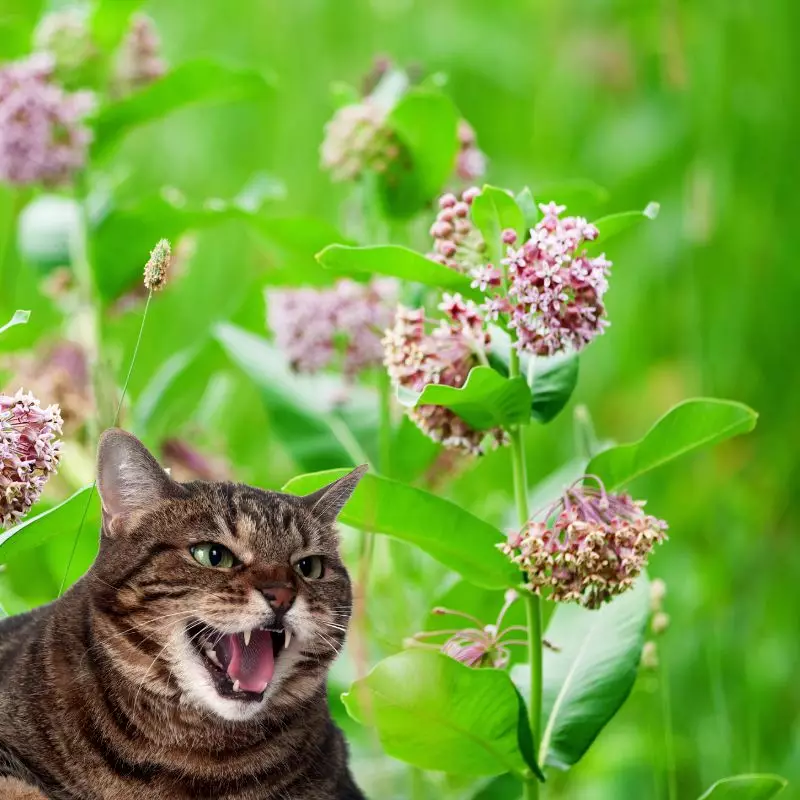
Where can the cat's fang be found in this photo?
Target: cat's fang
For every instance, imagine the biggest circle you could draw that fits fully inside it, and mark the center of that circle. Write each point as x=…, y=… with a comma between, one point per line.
x=212, y=656
x=236, y=686
x=246, y=638
x=288, y=638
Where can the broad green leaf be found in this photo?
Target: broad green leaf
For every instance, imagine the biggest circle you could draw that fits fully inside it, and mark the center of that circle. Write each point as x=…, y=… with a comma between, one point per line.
x=579, y=196
x=492, y=211
x=586, y=682
x=486, y=400
x=453, y=536
x=504, y=787
x=397, y=262
x=438, y=714
x=687, y=426
x=412, y=451
x=615, y=224
x=17, y=21
x=110, y=22
x=426, y=123
x=746, y=787
x=303, y=408
x=20, y=318
x=123, y=237
x=191, y=83
x=530, y=211
x=64, y=520
x=552, y=381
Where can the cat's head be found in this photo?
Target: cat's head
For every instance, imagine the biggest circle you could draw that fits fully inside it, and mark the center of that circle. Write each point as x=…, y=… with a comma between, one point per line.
x=217, y=595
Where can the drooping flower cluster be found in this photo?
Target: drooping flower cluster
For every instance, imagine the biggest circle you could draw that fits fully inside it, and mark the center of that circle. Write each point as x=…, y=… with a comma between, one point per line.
x=415, y=358
x=555, y=292
x=457, y=243
x=29, y=452
x=589, y=546
x=317, y=328
x=42, y=135
x=471, y=160
x=478, y=645
x=139, y=62
x=357, y=140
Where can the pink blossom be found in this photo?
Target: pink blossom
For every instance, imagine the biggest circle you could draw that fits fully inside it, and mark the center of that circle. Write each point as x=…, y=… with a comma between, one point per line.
x=140, y=61
x=42, y=135
x=594, y=549
x=29, y=453
x=457, y=243
x=470, y=161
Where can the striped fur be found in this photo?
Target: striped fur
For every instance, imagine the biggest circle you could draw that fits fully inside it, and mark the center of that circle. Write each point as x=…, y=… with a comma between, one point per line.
x=102, y=694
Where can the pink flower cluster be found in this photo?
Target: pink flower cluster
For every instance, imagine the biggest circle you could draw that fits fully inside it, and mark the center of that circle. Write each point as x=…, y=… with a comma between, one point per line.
x=594, y=548
x=29, y=453
x=140, y=61
x=457, y=243
x=317, y=327
x=478, y=645
x=470, y=161
x=42, y=135
x=357, y=139
x=415, y=358
x=555, y=292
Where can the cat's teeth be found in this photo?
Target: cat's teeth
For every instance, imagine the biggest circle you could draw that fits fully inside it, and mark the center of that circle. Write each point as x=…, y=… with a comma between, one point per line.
x=247, y=638
x=213, y=656
x=288, y=640
x=236, y=686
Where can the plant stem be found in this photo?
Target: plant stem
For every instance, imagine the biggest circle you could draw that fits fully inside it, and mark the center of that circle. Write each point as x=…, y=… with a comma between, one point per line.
x=385, y=424
x=532, y=602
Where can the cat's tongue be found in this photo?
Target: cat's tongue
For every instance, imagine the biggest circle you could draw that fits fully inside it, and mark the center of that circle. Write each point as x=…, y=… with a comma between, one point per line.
x=252, y=664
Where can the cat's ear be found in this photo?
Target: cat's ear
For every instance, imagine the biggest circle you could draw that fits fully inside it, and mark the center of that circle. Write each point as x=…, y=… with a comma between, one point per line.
x=129, y=479
x=327, y=502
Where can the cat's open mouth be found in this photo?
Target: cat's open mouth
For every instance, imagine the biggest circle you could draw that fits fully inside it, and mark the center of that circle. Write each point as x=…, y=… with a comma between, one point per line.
x=240, y=664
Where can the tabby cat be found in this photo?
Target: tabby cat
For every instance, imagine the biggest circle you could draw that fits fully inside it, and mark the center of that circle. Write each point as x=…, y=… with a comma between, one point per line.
x=191, y=660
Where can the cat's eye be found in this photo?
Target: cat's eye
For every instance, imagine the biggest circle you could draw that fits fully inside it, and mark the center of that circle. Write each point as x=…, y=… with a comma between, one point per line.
x=311, y=567
x=213, y=555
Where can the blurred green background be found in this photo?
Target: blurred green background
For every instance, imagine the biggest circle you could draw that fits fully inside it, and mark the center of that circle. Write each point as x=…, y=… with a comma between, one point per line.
x=689, y=102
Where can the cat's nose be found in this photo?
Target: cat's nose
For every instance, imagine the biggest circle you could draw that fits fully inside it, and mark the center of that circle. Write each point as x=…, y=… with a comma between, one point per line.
x=280, y=598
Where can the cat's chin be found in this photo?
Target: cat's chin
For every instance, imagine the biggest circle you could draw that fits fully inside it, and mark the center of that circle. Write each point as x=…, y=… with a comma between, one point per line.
x=231, y=674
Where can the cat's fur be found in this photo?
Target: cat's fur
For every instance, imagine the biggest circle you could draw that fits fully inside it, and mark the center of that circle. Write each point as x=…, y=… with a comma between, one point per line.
x=102, y=696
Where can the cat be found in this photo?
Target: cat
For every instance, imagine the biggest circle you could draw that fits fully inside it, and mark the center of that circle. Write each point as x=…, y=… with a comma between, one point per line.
x=191, y=660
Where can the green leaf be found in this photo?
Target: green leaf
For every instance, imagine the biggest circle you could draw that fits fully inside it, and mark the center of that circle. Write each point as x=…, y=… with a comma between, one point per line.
x=504, y=787
x=486, y=400
x=17, y=21
x=426, y=123
x=20, y=318
x=412, y=451
x=615, y=224
x=61, y=520
x=687, y=426
x=746, y=787
x=530, y=211
x=192, y=83
x=552, y=380
x=438, y=714
x=110, y=22
x=397, y=262
x=492, y=211
x=577, y=195
x=302, y=408
x=453, y=536
x=588, y=680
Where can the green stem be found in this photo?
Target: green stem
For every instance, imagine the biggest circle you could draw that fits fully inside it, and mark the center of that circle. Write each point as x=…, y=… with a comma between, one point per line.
x=532, y=602
x=385, y=424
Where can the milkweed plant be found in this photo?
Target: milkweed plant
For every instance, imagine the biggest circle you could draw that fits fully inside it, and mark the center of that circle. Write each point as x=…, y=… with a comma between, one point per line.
x=446, y=318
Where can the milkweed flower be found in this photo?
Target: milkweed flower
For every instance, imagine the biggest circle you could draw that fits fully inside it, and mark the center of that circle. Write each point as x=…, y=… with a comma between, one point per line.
x=588, y=547
x=476, y=645
x=416, y=357
x=457, y=243
x=43, y=138
x=139, y=62
x=555, y=291
x=356, y=140
x=317, y=328
x=30, y=451
x=471, y=160
x=65, y=35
